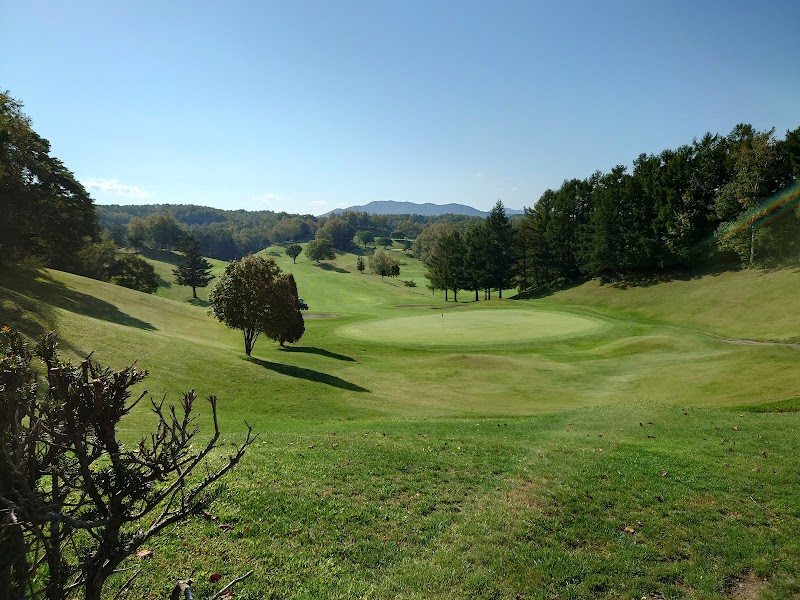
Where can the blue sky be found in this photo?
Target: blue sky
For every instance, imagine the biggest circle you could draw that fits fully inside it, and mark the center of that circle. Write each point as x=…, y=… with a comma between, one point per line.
x=305, y=106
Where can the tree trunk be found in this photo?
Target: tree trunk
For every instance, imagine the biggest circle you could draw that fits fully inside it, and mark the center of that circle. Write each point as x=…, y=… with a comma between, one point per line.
x=194, y=293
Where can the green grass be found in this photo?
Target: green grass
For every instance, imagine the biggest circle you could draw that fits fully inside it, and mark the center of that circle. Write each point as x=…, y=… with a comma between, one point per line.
x=502, y=460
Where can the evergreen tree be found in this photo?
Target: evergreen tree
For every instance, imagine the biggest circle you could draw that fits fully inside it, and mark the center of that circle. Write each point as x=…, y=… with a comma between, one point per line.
x=195, y=271
x=500, y=248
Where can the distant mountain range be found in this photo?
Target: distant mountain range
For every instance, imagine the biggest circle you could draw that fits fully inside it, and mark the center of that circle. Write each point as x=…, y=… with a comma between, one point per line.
x=390, y=207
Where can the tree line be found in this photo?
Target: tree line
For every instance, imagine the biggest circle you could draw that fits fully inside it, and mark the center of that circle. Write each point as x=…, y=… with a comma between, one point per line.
x=232, y=234
x=721, y=201
x=704, y=203
x=476, y=255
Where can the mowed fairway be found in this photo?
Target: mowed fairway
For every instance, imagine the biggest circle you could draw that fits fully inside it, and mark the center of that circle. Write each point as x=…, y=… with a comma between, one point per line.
x=474, y=327
x=595, y=443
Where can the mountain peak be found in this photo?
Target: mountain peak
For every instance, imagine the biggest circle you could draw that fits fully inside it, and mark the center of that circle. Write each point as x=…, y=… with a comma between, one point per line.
x=390, y=207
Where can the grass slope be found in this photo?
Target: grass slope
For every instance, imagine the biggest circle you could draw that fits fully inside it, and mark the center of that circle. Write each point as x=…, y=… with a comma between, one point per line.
x=418, y=470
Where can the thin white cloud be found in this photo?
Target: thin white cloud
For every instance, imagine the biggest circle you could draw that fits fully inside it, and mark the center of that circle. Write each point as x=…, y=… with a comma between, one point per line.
x=319, y=203
x=115, y=186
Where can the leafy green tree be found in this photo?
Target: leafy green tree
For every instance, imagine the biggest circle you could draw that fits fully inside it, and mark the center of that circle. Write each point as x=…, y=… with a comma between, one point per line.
x=383, y=241
x=194, y=271
x=46, y=212
x=293, y=251
x=364, y=237
x=118, y=234
x=286, y=324
x=138, y=233
x=134, y=272
x=320, y=249
x=360, y=264
x=96, y=259
x=754, y=179
x=384, y=265
x=247, y=298
x=165, y=231
x=338, y=231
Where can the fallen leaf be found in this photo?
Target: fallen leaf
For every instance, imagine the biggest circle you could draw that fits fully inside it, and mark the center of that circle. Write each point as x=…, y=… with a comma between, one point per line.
x=757, y=470
x=215, y=577
x=144, y=553
x=663, y=474
x=736, y=428
x=206, y=515
x=629, y=529
x=226, y=526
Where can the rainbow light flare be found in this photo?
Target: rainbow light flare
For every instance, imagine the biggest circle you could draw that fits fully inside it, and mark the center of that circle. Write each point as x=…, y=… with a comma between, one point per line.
x=763, y=215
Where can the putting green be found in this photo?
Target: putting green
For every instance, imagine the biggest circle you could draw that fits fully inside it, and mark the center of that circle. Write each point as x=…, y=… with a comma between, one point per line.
x=452, y=328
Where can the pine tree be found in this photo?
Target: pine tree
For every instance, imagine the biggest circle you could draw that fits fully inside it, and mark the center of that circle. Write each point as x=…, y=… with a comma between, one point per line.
x=195, y=270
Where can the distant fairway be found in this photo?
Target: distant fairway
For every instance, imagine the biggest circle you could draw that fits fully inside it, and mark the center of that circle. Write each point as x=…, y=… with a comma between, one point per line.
x=450, y=328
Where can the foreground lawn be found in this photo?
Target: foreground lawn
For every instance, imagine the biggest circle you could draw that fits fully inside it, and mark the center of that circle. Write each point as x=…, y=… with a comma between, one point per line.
x=624, y=502
x=415, y=448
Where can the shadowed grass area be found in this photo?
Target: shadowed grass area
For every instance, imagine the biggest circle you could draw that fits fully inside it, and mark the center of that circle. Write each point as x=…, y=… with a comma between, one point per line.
x=319, y=351
x=40, y=284
x=308, y=374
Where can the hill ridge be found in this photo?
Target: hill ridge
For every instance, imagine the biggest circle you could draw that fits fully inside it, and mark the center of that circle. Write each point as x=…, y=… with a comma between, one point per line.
x=426, y=209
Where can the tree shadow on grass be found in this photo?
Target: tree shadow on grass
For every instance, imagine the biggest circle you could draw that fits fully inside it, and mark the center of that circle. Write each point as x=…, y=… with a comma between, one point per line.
x=320, y=351
x=329, y=267
x=167, y=256
x=307, y=374
x=39, y=286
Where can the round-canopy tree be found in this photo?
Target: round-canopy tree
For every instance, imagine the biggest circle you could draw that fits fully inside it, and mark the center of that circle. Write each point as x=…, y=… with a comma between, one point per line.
x=320, y=250
x=294, y=250
x=251, y=296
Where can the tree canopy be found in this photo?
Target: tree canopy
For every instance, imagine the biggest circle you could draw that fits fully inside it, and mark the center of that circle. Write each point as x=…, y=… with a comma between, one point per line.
x=293, y=251
x=321, y=249
x=384, y=265
x=252, y=295
x=47, y=213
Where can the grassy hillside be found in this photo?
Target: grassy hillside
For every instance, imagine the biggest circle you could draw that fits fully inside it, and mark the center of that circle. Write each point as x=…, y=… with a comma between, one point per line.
x=752, y=304
x=416, y=448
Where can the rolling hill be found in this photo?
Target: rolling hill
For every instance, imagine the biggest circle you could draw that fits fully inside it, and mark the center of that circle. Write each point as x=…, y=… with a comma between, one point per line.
x=391, y=207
